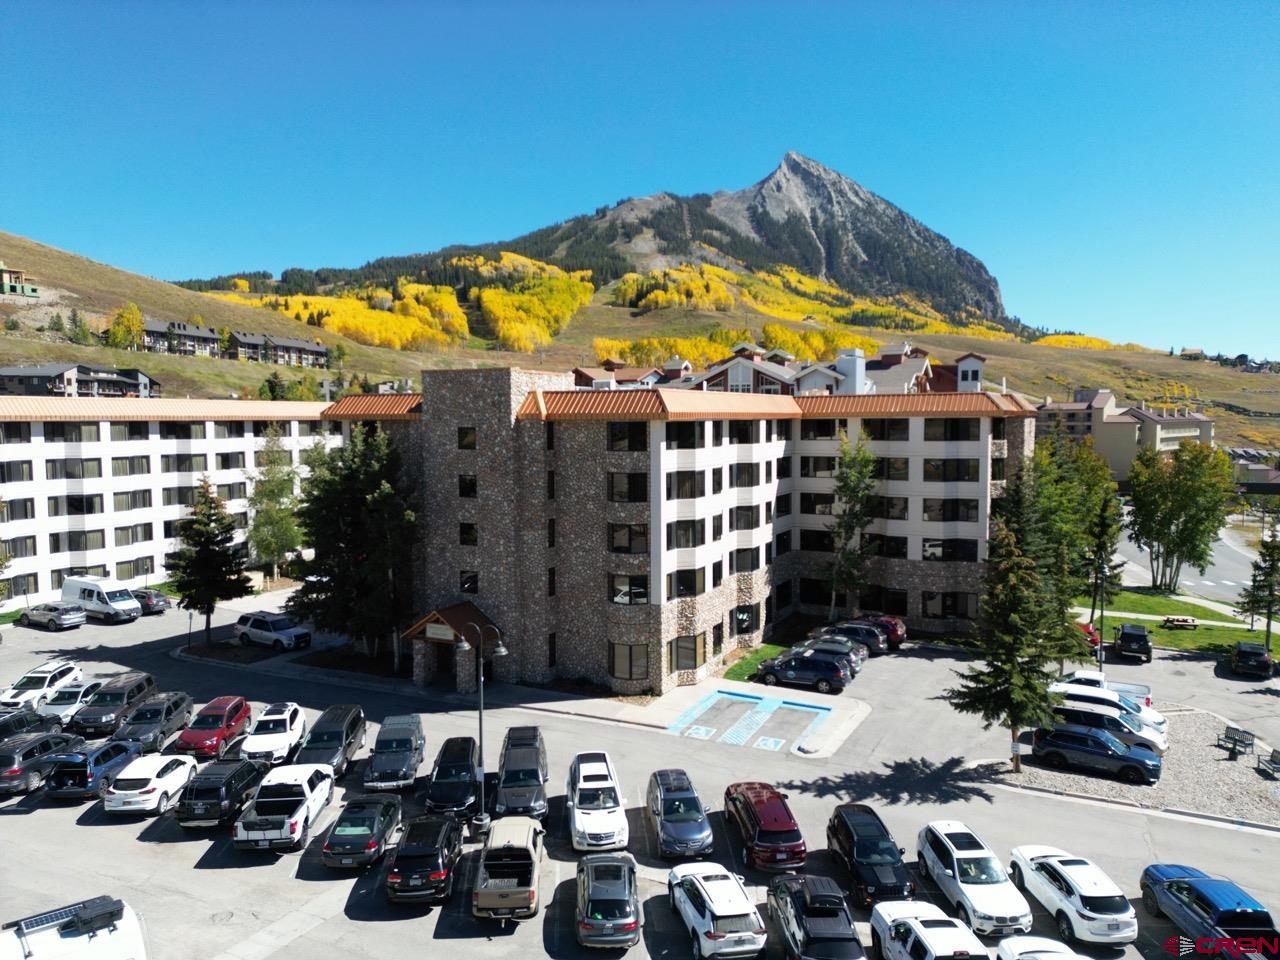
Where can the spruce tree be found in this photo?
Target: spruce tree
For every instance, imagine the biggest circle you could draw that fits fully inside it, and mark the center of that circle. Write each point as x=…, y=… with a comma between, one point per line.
x=854, y=484
x=207, y=567
x=1261, y=598
x=274, y=530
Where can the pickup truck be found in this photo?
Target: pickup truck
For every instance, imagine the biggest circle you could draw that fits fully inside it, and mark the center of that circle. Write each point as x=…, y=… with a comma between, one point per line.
x=288, y=803
x=507, y=878
x=1210, y=908
x=919, y=930
x=1095, y=678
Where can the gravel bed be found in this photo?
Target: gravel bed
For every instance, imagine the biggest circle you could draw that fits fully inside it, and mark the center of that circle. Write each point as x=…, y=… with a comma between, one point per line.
x=1197, y=776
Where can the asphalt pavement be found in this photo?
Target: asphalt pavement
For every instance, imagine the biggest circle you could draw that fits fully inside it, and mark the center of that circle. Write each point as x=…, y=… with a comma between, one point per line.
x=1227, y=574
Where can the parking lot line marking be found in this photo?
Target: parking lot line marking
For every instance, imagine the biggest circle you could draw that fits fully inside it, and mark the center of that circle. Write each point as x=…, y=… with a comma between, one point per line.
x=741, y=731
x=1229, y=583
x=769, y=743
x=700, y=733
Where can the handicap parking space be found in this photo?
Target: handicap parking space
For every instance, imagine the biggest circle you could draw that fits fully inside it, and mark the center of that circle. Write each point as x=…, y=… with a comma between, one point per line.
x=772, y=724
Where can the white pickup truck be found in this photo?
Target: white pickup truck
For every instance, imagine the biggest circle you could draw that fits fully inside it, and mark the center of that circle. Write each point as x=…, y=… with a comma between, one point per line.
x=918, y=930
x=288, y=803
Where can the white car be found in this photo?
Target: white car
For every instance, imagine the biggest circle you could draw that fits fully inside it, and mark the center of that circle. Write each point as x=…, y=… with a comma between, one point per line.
x=1034, y=948
x=1084, y=902
x=66, y=702
x=149, y=784
x=36, y=686
x=919, y=930
x=279, y=730
x=1100, y=696
x=972, y=879
x=714, y=907
x=593, y=799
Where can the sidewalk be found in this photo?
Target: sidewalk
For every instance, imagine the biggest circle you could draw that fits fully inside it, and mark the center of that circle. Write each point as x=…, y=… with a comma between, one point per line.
x=1083, y=614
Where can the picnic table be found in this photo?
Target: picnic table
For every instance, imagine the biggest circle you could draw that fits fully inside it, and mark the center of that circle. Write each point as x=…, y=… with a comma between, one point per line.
x=1180, y=623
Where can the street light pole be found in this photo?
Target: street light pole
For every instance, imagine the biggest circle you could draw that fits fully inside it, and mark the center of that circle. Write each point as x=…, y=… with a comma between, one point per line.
x=480, y=823
x=1102, y=607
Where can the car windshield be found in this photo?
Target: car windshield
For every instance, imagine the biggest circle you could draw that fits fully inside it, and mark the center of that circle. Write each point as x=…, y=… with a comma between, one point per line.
x=31, y=683
x=107, y=698
x=681, y=810
x=393, y=746
x=778, y=836
x=875, y=850
x=325, y=738
x=520, y=778
x=608, y=910
x=207, y=721
x=148, y=715
x=1131, y=723
x=115, y=596
x=271, y=725
x=64, y=696
x=980, y=870
x=353, y=827
x=281, y=623
x=457, y=773
x=1128, y=704
x=597, y=798
x=1116, y=904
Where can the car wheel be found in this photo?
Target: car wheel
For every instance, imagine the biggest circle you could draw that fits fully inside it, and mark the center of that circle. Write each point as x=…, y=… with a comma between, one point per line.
x=51, y=626
x=769, y=680
x=876, y=950
x=32, y=782
x=278, y=645
x=1015, y=874
x=697, y=944
x=1066, y=932
x=24, y=620
x=162, y=805
x=244, y=639
x=55, y=727
x=1055, y=760
x=921, y=866
x=823, y=686
x=103, y=787
x=1131, y=775
x=1148, y=660
x=1151, y=903
x=964, y=917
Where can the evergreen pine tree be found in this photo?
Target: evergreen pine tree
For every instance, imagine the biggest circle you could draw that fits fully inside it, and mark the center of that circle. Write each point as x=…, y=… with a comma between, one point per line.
x=207, y=567
x=1261, y=598
x=274, y=530
x=854, y=484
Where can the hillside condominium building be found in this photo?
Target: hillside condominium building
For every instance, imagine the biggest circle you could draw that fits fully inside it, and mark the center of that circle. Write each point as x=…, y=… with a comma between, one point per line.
x=98, y=485
x=636, y=537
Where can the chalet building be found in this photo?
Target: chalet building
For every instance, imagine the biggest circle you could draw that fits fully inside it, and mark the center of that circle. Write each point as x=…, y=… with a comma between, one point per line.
x=191, y=340
x=76, y=380
x=184, y=339
x=16, y=283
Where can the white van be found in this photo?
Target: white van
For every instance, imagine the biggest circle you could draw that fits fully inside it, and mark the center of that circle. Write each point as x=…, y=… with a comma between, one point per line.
x=103, y=928
x=102, y=597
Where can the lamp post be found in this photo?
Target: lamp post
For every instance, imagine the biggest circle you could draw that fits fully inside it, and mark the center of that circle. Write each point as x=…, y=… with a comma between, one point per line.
x=480, y=825
x=1102, y=607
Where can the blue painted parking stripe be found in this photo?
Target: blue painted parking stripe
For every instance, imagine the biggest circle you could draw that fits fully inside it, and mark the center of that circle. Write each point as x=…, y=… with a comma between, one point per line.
x=743, y=730
x=769, y=743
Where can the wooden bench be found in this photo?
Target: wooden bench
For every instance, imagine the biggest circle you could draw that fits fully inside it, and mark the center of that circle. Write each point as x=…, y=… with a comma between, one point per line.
x=1270, y=764
x=1233, y=738
x=1181, y=623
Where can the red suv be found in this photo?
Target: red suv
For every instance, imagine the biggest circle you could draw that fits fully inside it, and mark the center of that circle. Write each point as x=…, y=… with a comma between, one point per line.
x=770, y=836
x=214, y=727
x=895, y=630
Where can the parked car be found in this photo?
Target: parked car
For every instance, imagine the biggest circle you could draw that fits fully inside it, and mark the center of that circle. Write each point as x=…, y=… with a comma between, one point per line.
x=1034, y=948
x=16, y=723
x=287, y=804
x=1090, y=634
x=362, y=832
x=771, y=837
x=826, y=673
x=859, y=839
x=102, y=597
x=1084, y=902
x=1251, y=660
x=151, y=601
x=424, y=863
x=1132, y=640
x=397, y=754
x=276, y=630
x=149, y=784
x=1095, y=678
x=842, y=648
x=155, y=720
x=522, y=775
x=607, y=909
x=1096, y=750
x=919, y=930
x=1205, y=907
x=335, y=738
x=276, y=734
x=218, y=792
x=89, y=771
x=971, y=878
x=27, y=760
x=869, y=635
x=54, y=616
x=506, y=885
x=454, y=785
x=115, y=698
x=894, y=627
x=34, y=688
x=64, y=704
x=811, y=914
x=597, y=810
x=1115, y=722
x=1098, y=696
x=713, y=905
x=215, y=727
x=676, y=815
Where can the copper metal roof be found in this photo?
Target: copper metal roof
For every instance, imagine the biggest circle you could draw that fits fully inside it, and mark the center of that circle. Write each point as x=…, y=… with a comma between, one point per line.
x=168, y=409
x=376, y=406
x=915, y=405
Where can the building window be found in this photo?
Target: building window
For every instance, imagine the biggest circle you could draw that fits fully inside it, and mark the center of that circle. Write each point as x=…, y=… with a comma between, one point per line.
x=75, y=505
x=73, y=468
x=896, y=428
x=178, y=496
x=77, y=540
x=170, y=430
x=130, y=466
x=939, y=606
x=717, y=639
x=467, y=486
x=631, y=436
x=818, y=504
x=887, y=508
x=15, y=433
x=22, y=585
x=784, y=468
x=782, y=430
x=950, y=549
x=311, y=428
x=184, y=463
x=240, y=521
x=629, y=661
x=782, y=595
x=892, y=468
x=951, y=428
x=629, y=537
x=817, y=540
x=20, y=509
x=884, y=600
x=950, y=471
x=686, y=583
x=949, y=511
x=768, y=471
x=19, y=547
x=230, y=461
x=814, y=592
x=551, y=651
x=129, y=430
x=768, y=553
x=717, y=479
x=744, y=475
x=71, y=432
x=551, y=581
x=138, y=533
x=782, y=505
x=687, y=653
x=782, y=543
x=717, y=432
x=550, y=435
x=232, y=491
x=628, y=487
x=744, y=431
x=466, y=438
x=468, y=535
x=469, y=581
x=135, y=568
x=817, y=429
x=173, y=528
x=93, y=570
x=15, y=471
x=744, y=560
x=746, y=618
x=880, y=545
x=717, y=573
x=551, y=484
x=744, y=518
x=683, y=534
x=686, y=435
x=998, y=467
x=686, y=484
x=551, y=532
x=228, y=429
x=629, y=588
x=823, y=467
x=130, y=500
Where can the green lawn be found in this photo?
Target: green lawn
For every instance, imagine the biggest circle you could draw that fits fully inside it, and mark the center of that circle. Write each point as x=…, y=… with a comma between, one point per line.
x=1145, y=600
x=745, y=669
x=10, y=617
x=1213, y=640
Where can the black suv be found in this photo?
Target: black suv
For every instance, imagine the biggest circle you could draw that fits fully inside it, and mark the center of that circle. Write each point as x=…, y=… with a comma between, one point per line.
x=26, y=761
x=825, y=672
x=858, y=837
x=397, y=754
x=454, y=787
x=425, y=861
x=522, y=775
x=218, y=792
x=155, y=720
x=1251, y=659
x=1133, y=640
x=335, y=738
x=17, y=722
x=105, y=710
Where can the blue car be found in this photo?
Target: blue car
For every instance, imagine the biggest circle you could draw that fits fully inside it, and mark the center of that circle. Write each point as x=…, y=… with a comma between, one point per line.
x=825, y=672
x=1088, y=748
x=88, y=772
x=1205, y=907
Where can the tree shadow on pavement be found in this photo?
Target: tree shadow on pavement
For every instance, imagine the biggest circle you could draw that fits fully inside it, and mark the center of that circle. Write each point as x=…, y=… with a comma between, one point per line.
x=909, y=781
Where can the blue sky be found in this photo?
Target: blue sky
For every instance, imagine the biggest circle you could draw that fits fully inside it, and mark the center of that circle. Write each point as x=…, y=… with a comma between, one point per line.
x=1114, y=165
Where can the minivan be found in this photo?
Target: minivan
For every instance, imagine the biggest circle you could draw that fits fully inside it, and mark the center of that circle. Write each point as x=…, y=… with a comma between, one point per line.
x=102, y=597
x=335, y=738
x=106, y=709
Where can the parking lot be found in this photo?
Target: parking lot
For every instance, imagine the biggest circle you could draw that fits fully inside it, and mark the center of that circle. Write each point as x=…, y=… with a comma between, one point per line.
x=909, y=758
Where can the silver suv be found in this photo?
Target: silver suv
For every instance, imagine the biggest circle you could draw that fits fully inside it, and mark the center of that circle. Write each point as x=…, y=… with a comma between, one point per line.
x=276, y=630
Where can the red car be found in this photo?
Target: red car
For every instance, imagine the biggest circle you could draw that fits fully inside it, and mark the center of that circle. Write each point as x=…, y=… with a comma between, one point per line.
x=895, y=631
x=1090, y=633
x=770, y=835
x=218, y=723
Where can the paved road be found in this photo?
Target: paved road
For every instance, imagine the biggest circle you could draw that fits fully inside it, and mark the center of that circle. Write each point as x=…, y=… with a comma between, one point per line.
x=1222, y=580
x=201, y=897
